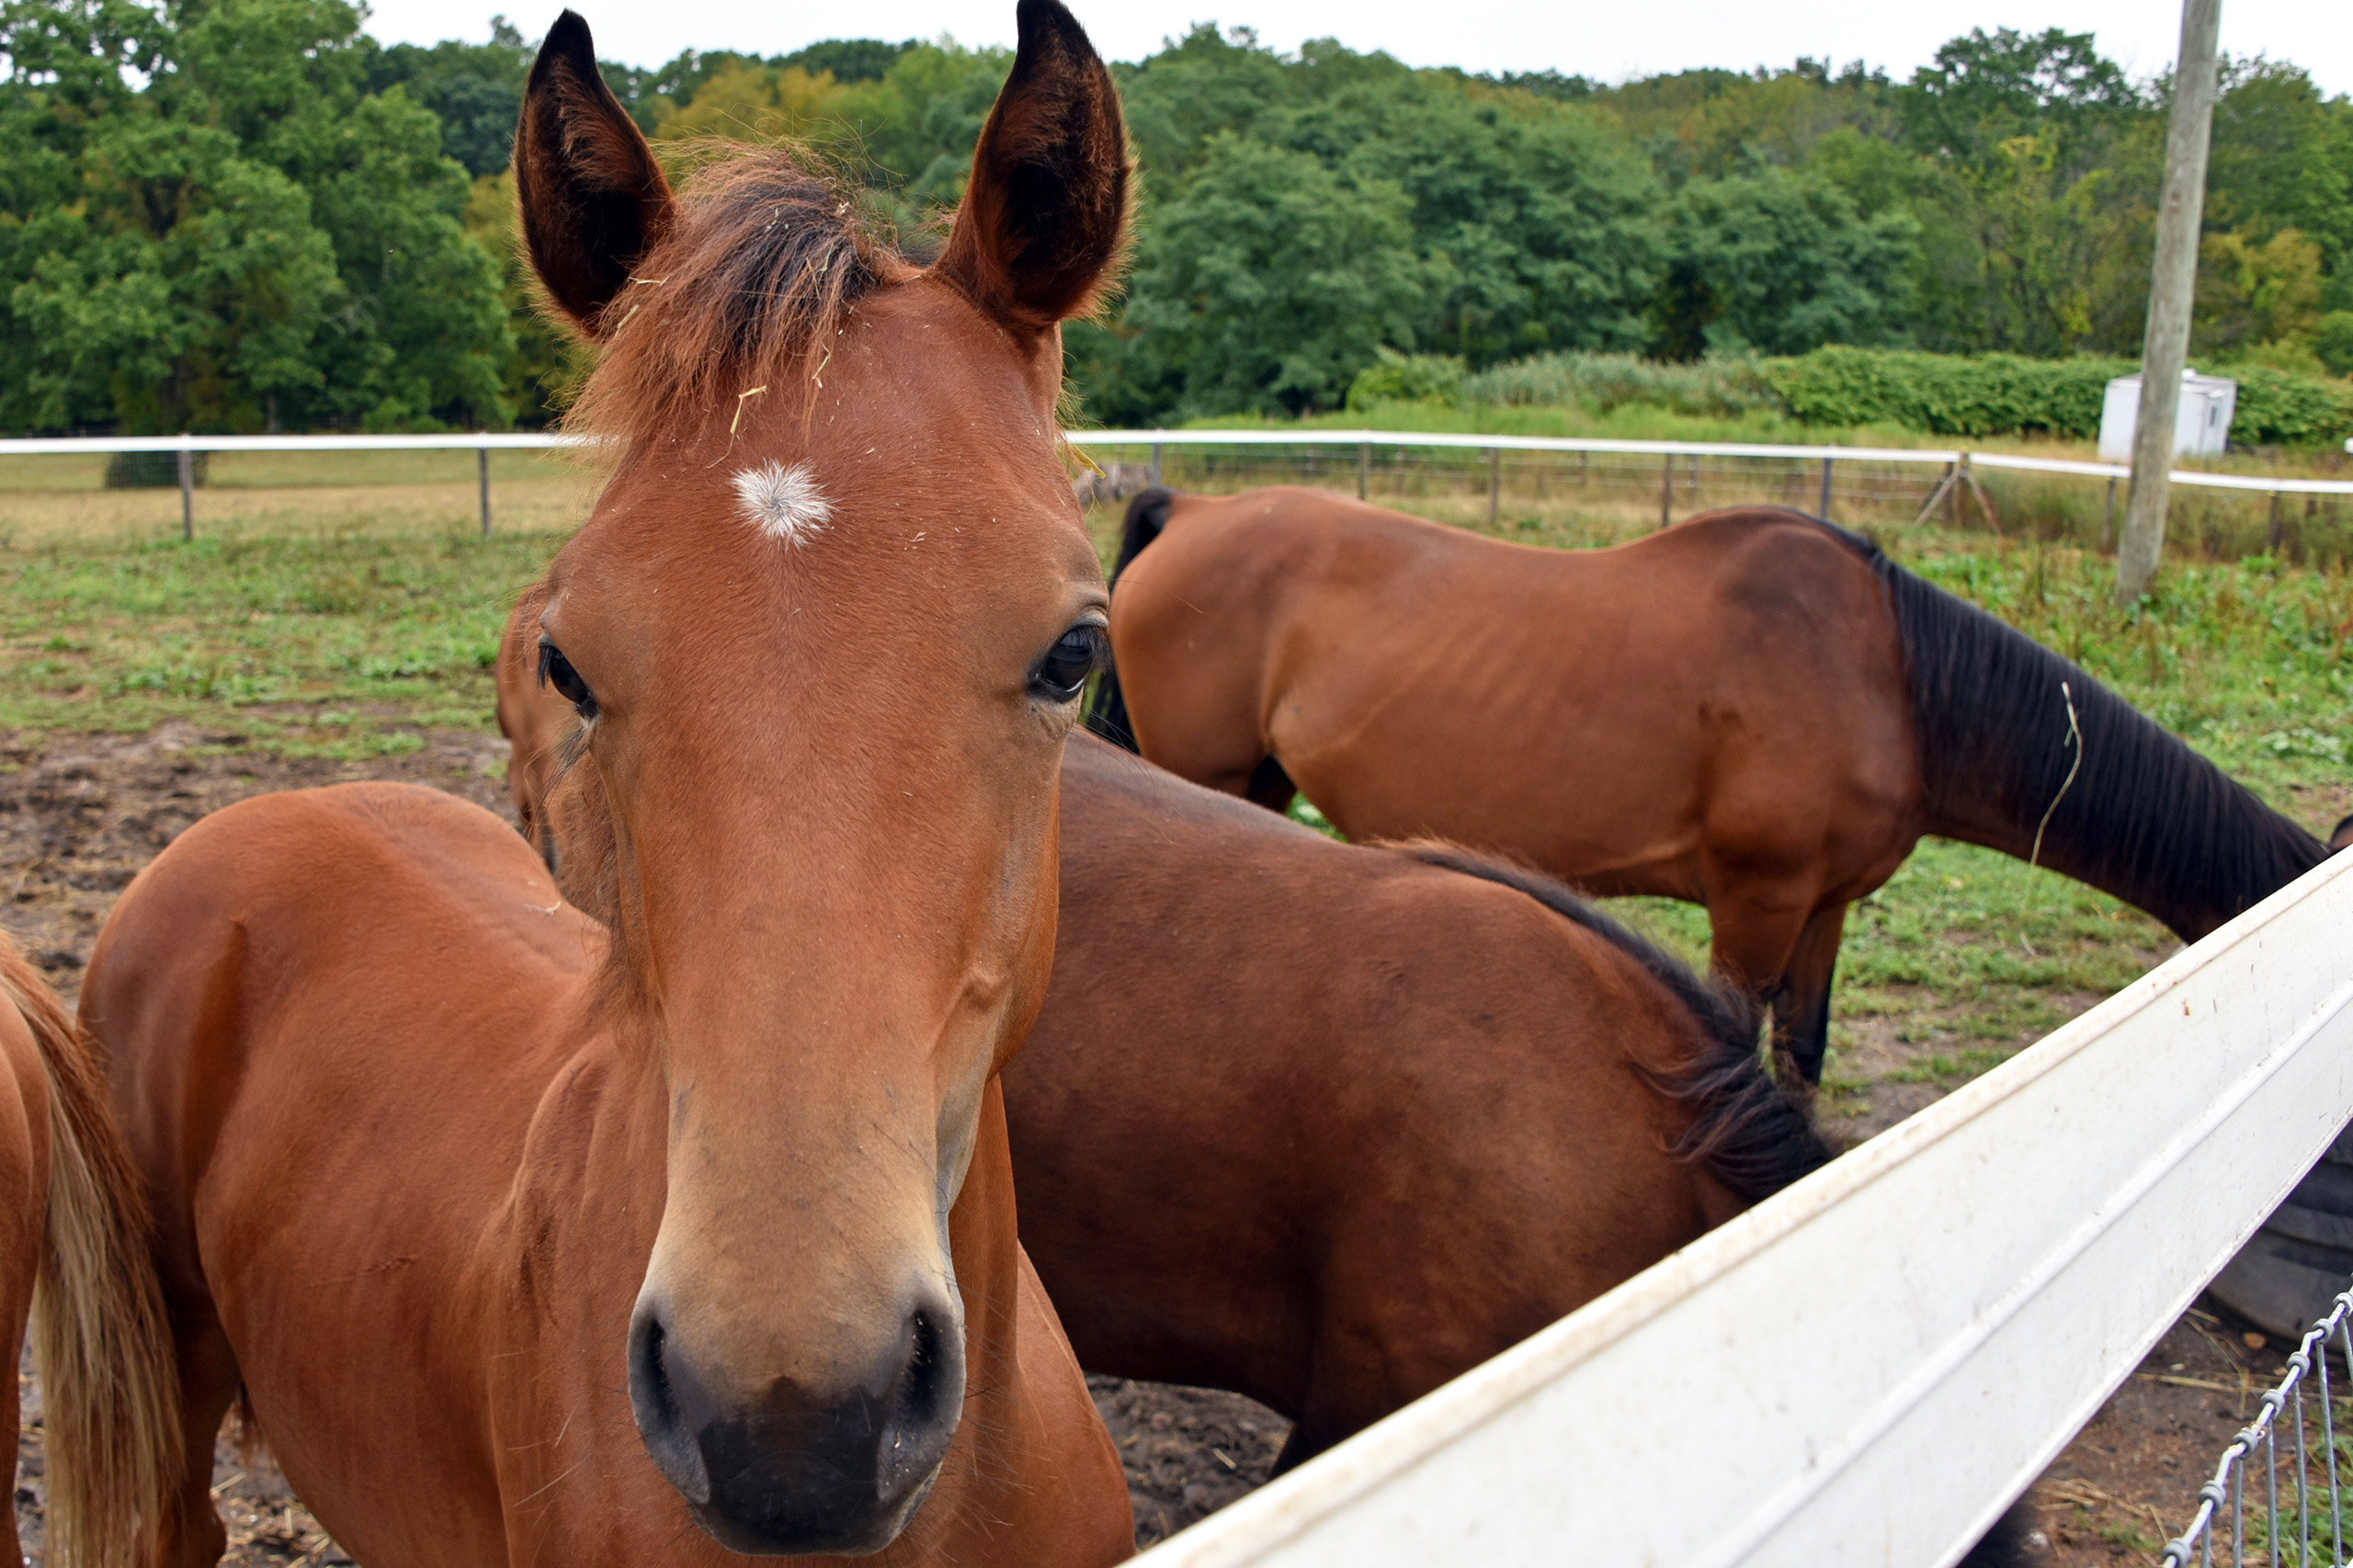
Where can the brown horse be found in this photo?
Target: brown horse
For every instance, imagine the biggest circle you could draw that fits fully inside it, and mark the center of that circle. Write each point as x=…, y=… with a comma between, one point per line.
x=689, y=1232
x=74, y=1255
x=1752, y=710
x=1428, y=1103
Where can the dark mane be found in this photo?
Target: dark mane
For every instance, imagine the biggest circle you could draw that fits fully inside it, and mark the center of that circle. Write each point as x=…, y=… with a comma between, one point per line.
x=1746, y=1130
x=2146, y=818
x=764, y=259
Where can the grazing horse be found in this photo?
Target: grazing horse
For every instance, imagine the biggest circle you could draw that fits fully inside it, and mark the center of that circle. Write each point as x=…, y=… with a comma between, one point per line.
x=1752, y=710
x=1429, y=1102
x=687, y=1232
x=74, y=1254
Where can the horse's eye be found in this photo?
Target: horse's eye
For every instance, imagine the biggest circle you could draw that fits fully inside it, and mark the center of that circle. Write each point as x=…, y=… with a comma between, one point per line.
x=555, y=670
x=1061, y=675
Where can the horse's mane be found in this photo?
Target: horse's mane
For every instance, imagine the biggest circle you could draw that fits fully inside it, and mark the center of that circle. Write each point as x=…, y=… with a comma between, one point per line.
x=1746, y=1130
x=763, y=259
x=2146, y=818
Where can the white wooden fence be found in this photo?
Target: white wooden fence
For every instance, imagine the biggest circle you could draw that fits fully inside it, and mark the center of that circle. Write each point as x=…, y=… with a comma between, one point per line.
x=484, y=443
x=1867, y=1368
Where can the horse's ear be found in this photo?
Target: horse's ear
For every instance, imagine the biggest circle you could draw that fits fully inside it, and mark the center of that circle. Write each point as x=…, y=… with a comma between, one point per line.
x=1041, y=223
x=594, y=199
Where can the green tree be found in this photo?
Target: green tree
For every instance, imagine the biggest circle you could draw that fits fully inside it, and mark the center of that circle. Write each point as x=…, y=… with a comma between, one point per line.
x=1264, y=284
x=1779, y=261
x=214, y=223
x=474, y=90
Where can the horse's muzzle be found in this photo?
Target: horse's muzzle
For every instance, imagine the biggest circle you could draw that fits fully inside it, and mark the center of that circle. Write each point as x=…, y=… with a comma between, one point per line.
x=789, y=1476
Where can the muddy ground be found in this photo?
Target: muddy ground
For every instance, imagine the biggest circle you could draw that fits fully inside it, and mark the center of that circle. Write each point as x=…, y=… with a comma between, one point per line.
x=80, y=814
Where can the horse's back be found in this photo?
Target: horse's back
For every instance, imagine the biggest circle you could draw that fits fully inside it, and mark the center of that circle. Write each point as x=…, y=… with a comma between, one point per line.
x=1580, y=708
x=1392, y=1137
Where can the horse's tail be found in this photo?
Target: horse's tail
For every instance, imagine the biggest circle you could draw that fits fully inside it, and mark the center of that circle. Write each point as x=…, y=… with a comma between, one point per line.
x=2022, y=751
x=1746, y=1130
x=102, y=1338
x=1106, y=712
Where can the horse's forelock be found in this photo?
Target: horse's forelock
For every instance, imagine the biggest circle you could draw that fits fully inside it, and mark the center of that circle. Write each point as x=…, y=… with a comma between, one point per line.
x=766, y=259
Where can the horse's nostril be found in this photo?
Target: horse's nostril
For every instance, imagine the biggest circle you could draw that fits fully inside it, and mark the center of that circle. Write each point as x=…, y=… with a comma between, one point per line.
x=670, y=1443
x=922, y=1402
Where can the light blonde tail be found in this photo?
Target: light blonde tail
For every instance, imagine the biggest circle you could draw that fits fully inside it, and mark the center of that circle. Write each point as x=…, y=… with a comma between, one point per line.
x=102, y=1338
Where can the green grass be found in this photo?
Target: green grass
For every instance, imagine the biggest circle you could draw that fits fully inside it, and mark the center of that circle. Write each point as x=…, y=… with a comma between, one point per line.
x=345, y=647
x=352, y=647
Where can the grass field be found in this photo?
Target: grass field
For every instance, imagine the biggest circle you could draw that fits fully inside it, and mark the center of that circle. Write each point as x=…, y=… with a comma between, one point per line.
x=349, y=636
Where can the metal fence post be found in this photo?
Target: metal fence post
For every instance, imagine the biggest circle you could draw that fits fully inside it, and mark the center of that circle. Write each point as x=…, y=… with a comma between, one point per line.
x=1665, y=488
x=1494, y=482
x=482, y=468
x=188, y=488
x=1364, y=470
x=1823, y=511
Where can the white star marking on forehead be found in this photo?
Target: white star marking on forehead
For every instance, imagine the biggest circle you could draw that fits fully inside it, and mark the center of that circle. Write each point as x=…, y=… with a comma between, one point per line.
x=783, y=502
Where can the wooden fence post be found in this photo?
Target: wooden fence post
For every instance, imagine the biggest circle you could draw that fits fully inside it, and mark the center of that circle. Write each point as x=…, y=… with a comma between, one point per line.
x=1665, y=488
x=1364, y=470
x=1494, y=482
x=187, y=489
x=1824, y=510
x=482, y=455
x=2165, y=348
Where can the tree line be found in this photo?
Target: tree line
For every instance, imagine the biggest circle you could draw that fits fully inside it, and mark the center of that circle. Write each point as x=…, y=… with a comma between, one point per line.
x=249, y=214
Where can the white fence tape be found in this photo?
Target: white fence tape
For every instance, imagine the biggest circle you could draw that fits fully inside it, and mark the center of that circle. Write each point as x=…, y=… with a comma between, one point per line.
x=483, y=441
x=476, y=441
x=1867, y=1368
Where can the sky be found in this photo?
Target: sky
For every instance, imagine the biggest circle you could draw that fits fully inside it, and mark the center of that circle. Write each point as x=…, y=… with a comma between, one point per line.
x=1609, y=43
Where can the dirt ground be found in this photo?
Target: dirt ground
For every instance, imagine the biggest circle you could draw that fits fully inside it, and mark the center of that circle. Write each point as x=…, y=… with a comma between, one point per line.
x=80, y=814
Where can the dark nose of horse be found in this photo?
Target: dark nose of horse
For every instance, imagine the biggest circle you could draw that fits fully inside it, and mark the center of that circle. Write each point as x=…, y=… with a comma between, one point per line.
x=789, y=1474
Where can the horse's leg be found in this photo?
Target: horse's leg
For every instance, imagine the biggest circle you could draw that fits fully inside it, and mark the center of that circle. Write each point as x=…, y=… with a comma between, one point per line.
x=1269, y=786
x=1758, y=927
x=1801, y=1004
x=209, y=1382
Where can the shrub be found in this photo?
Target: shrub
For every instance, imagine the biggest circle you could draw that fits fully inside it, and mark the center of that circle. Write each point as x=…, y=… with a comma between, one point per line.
x=1998, y=394
x=2280, y=408
x=1721, y=389
x=1435, y=378
x=1946, y=395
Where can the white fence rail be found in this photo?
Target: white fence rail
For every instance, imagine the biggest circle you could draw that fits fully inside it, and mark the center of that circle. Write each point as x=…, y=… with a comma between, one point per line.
x=1867, y=1368
x=486, y=441
x=1957, y=461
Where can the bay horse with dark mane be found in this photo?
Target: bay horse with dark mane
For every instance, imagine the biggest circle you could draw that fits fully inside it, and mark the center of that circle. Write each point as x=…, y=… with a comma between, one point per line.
x=687, y=1231
x=73, y=1255
x=1754, y=710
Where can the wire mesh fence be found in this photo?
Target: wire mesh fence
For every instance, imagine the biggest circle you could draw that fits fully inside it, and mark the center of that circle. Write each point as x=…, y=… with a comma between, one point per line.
x=1598, y=497
x=1543, y=491
x=2298, y=1428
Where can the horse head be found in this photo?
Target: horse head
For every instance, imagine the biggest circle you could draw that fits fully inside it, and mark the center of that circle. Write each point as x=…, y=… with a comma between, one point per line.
x=823, y=633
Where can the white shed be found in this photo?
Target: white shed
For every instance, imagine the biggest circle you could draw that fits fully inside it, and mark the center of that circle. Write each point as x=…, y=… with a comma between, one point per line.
x=2202, y=421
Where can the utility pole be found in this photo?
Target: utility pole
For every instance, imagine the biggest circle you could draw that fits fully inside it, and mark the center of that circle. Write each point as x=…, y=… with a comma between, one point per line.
x=2167, y=345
